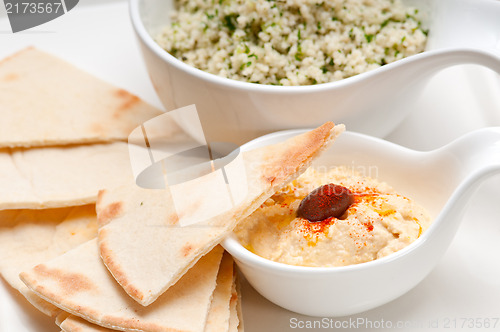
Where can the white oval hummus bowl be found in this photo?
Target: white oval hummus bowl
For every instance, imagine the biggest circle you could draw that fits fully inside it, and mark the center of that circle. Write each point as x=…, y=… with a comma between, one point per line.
x=441, y=180
x=461, y=31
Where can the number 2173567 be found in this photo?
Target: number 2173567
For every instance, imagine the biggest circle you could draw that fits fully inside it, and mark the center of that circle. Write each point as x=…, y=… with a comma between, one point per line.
x=33, y=7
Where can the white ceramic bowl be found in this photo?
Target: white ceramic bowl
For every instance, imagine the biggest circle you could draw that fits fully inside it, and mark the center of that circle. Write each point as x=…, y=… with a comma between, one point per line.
x=372, y=103
x=441, y=180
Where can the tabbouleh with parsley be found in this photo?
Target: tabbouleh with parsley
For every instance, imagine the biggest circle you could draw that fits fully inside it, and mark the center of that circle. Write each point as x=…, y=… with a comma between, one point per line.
x=292, y=42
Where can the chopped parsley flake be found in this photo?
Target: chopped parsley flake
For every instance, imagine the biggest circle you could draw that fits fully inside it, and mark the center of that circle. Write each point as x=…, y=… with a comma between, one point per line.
x=230, y=21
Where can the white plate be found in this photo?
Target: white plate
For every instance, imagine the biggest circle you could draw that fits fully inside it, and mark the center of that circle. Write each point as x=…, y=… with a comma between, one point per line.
x=465, y=285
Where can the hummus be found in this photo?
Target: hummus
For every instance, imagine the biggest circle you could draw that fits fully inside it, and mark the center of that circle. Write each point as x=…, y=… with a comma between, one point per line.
x=378, y=223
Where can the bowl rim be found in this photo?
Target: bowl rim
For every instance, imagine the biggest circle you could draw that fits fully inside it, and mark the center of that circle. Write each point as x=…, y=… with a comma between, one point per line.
x=239, y=252
x=148, y=40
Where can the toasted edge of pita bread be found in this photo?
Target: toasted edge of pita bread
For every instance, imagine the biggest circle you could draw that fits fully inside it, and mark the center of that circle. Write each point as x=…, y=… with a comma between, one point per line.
x=236, y=318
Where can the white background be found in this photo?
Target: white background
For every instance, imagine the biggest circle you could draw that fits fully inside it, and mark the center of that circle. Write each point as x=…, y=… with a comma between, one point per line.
x=97, y=36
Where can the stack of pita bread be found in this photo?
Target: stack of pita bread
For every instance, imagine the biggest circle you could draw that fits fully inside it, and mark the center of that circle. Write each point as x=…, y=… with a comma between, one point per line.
x=85, y=245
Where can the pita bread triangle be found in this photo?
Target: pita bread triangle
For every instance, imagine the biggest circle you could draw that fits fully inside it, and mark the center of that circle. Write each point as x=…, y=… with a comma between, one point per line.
x=28, y=237
x=235, y=309
x=47, y=101
x=52, y=177
x=147, y=251
x=78, y=283
x=218, y=315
